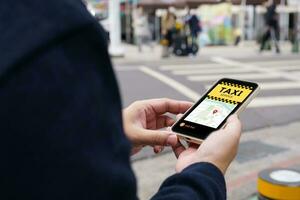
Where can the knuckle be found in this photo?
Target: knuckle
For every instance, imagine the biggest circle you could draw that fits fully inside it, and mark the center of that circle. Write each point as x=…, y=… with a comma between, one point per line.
x=159, y=139
x=165, y=99
x=137, y=104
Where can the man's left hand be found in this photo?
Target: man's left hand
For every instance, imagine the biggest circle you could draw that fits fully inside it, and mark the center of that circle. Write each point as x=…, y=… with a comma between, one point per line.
x=144, y=120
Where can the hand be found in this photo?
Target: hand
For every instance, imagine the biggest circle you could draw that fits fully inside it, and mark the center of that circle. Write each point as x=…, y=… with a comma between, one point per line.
x=219, y=148
x=143, y=119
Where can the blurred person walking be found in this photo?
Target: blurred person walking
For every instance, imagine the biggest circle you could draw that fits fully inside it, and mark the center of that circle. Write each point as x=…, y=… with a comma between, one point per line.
x=168, y=28
x=272, y=25
x=194, y=24
x=141, y=29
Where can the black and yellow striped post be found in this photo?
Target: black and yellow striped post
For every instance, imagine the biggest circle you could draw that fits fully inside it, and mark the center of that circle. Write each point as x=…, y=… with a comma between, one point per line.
x=279, y=184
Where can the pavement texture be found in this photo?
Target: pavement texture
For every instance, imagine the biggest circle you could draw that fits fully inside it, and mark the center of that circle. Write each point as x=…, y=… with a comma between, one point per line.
x=271, y=123
x=259, y=149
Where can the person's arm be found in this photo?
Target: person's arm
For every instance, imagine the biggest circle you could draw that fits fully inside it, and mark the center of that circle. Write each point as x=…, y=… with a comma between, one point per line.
x=200, y=181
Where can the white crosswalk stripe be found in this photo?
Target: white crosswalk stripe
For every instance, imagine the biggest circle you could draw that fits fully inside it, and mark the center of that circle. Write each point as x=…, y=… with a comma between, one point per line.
x=279, y=85
x=191, y=67
x=210, y=71
x=276, y=63
x=285, y=67
x=275, y=101
x=252, y=76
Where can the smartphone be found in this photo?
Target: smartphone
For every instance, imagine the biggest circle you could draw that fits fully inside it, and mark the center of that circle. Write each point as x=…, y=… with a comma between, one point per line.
x=210, y=113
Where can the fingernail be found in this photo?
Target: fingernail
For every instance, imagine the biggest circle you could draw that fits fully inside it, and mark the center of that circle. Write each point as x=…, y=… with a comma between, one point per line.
x=232, y=118
x=157, y=150
x=172, y=140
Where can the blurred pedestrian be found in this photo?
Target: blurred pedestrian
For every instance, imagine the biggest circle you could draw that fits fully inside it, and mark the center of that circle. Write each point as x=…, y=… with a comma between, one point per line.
x=272, y=25
x=141, y=29
x=168, y=27
x=194, y=24
x=237, y=33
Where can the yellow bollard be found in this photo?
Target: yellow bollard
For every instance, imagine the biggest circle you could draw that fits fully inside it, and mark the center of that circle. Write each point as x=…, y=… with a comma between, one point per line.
x=279, y=184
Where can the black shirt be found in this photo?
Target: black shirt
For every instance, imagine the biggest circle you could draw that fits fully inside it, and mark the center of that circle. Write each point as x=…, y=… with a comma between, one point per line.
x=61, y=126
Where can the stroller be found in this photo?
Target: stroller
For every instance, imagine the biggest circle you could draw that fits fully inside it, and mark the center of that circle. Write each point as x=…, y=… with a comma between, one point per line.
x=184, y=44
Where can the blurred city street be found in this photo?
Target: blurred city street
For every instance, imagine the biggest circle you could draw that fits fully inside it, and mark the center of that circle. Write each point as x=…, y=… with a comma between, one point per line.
x=271, y=122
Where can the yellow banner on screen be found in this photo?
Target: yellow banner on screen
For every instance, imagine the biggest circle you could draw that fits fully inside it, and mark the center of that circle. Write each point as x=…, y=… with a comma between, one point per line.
x=230, y=92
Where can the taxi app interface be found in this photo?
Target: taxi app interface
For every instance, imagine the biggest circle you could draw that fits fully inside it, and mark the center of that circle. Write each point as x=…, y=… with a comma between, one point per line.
x=219, y=103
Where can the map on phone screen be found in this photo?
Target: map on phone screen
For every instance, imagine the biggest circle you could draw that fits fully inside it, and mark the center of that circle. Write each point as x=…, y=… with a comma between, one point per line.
x=218, y=104
x=210, y=112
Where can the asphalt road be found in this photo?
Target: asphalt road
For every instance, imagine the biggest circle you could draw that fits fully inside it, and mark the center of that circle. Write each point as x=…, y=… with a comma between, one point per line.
x=279, y=77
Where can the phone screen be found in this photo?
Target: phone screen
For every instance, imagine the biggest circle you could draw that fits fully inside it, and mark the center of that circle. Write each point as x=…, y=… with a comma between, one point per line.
x=213, y=109
x=211, y=112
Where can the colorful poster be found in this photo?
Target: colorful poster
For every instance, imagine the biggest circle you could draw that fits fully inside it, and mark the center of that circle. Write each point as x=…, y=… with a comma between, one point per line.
x=217, y=23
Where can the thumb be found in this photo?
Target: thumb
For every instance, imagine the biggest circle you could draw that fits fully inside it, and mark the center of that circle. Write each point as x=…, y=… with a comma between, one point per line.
x=179, y=116
x=157, y=137
x=233, y=126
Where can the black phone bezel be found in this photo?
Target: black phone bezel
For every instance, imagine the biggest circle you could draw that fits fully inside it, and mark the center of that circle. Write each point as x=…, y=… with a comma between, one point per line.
x=205, y=130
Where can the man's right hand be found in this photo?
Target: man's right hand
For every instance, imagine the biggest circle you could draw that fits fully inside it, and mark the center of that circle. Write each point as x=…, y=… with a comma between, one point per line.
x=220, y=148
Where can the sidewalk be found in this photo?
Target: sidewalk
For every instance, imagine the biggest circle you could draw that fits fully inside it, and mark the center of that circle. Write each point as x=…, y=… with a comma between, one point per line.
x=260, y=149
x=244, y=50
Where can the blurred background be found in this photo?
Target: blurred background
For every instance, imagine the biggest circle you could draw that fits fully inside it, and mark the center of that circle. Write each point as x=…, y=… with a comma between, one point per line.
x=178, y=48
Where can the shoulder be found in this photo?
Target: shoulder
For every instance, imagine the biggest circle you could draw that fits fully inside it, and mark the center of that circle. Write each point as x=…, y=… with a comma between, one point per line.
x=35, y=24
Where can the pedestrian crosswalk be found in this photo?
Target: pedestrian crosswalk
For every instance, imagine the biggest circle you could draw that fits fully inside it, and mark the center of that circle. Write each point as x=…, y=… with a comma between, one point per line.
x=172, y=83
x=273, y=76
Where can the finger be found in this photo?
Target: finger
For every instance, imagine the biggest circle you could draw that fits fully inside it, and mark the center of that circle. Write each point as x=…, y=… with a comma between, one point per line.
x=178, y=149
x=157, y=149
x=179, y=116
x=191, y=150
x=232, y=118
x=194, y=145
x=164, y=121
x=234, y=126
x=157, y=137
x=164, y=105
x=135, y=150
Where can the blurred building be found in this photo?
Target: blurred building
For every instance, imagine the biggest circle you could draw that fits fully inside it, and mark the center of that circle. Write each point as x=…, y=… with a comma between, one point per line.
x=223, y=19
x=246, y=16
